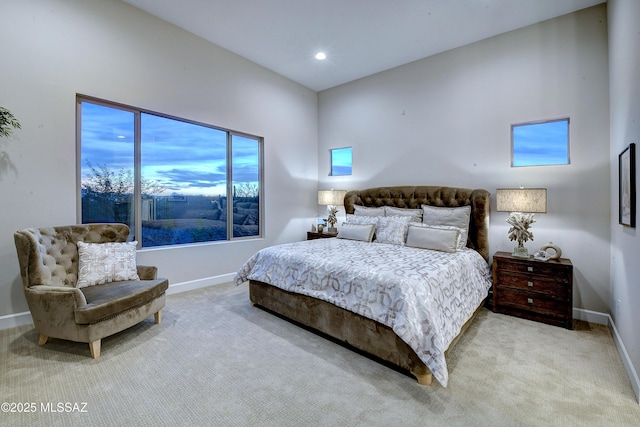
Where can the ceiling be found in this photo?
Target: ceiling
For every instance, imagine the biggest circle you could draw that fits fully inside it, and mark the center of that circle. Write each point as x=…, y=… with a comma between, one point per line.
x=360, y=37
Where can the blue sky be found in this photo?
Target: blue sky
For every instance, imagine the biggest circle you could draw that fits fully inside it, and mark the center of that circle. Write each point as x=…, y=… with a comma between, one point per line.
x=185, y=158
x=341, y=161
x=541, y=143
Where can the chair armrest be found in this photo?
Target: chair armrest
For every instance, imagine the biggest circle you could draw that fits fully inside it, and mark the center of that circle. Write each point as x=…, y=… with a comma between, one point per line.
x=147, y=272
x=53, y=309
x=40, y=292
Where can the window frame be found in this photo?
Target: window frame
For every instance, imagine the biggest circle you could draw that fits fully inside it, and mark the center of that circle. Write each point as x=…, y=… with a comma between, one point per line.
x=137, y=172
x=539, y=122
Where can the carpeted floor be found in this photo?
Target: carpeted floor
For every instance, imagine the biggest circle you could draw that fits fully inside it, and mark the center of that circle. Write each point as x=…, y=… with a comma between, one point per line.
x=217, y=361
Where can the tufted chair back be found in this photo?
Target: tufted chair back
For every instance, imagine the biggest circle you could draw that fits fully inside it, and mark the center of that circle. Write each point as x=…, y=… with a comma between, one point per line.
x=49, y=256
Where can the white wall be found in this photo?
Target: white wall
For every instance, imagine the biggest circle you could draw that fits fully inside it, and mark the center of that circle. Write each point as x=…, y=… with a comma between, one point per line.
x=53, y=49
x=624, y=82
x=445, y=120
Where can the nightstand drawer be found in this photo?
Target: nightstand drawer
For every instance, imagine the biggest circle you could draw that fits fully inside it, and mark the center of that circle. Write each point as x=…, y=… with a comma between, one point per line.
x=531, y=301
x=542, y=284
x=551, y=270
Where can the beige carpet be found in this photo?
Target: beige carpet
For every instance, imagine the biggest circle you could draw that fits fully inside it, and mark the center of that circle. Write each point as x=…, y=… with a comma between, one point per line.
x=217, y=361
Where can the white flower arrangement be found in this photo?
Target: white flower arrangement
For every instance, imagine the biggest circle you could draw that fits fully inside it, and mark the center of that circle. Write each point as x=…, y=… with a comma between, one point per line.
x=331, y=219
x=520, y=223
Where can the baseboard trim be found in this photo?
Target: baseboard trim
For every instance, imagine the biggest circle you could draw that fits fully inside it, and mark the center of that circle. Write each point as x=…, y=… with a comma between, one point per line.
x=199, y=283
x=591, y=316
x=626, y=361
x=14, y=320
x=606, y=320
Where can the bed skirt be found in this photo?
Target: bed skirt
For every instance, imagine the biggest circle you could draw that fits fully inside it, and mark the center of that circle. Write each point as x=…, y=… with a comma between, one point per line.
x=344, y=326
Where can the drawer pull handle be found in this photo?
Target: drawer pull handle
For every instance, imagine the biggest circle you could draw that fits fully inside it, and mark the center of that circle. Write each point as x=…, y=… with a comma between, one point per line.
x=530, y=300
x=530, y=284
x=529, y=268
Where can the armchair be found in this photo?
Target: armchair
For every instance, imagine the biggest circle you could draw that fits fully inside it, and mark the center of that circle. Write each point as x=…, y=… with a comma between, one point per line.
x=49, y=263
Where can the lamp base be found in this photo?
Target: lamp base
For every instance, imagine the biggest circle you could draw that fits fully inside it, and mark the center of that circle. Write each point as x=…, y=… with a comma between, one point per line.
x=520, y=252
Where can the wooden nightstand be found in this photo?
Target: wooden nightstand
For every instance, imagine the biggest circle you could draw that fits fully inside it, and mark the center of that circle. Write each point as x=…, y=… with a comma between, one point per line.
x=534, y=290
x=312, y=235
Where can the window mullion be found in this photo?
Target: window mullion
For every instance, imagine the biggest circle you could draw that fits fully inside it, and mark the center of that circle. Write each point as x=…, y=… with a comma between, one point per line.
x=230, y=194
x=137, y=177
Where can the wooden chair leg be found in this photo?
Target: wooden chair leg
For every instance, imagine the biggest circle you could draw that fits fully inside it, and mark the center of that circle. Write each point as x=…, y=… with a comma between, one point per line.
x=158, y=317
x=424, y=379
x=95, y=348
x=43, y=339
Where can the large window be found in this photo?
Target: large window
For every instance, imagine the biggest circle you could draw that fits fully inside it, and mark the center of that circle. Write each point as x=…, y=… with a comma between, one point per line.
x=171, y=180
x=540, y=143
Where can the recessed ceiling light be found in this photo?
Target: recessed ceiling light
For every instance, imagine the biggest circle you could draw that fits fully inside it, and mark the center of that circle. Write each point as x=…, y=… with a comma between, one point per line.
x=320, y=56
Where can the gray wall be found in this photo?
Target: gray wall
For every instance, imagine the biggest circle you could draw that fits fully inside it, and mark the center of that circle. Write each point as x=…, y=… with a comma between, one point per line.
x=445, y=120
x=624, y=81
x=53, y=49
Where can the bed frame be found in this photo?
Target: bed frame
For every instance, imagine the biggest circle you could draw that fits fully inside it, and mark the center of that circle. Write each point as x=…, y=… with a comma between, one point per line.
x=364, y=334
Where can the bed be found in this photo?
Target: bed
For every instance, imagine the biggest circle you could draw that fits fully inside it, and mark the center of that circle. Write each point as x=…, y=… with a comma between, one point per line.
x=384, y=298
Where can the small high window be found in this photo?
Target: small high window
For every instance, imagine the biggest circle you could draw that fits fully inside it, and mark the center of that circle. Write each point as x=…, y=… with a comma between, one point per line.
x=540, y=143
x=340, y=161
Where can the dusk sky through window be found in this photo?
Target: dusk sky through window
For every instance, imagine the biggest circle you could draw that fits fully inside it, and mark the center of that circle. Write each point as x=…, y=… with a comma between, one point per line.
x=539, y=144
x=341, y=161
x=182, y=157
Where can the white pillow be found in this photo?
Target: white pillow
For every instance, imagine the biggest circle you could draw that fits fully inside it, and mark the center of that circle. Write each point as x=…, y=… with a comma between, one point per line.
x=363, y=219
x=367, y=211
x=415, y=214
x=101, y=263
x=461, y=244
x=392, y=229
x=363, y=232
x=436, y=238
x=453, y=217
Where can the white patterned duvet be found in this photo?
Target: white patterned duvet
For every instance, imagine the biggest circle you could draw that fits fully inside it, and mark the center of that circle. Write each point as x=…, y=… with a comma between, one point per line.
x=424, y=296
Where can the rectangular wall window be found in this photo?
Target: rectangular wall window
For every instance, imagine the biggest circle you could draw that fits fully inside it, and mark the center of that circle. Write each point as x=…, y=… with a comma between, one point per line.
x=341, y=161
x=171, y=180
x=540, y=143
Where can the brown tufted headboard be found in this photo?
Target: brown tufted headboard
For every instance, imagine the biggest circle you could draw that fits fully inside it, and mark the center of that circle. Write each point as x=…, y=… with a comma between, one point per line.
x=412, y=197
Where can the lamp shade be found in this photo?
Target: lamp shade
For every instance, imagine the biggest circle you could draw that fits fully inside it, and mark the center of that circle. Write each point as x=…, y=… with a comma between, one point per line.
x=331, y=197
x=533, y=200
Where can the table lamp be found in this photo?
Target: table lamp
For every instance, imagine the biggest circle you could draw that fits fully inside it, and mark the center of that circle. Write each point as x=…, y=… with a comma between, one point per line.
x=523, y=203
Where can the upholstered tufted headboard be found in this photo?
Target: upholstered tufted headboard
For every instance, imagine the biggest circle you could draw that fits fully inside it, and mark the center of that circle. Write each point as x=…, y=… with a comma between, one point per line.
x=412, y=197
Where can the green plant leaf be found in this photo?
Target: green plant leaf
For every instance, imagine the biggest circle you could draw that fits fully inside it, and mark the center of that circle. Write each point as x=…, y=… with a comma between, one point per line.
x=8, y=122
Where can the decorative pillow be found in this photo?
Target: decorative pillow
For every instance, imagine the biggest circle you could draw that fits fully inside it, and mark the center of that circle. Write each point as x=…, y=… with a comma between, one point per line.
x=436, y=238
x=101, y=263
x=392, y=229
x=363, y=219
x=461, y=244
x=415, y=214
x=454, y=217
x=366, y=211
x=363, y=232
